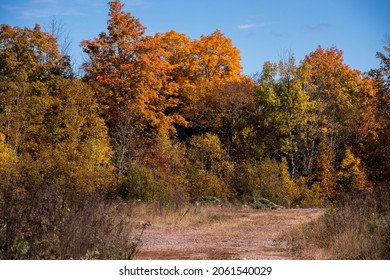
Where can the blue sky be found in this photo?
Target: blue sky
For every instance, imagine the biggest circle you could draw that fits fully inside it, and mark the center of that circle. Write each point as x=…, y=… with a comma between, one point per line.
x=261, y=29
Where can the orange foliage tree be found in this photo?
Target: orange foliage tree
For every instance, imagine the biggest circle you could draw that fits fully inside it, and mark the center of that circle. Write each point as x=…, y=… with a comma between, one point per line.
x=31, y=54
x=217, y=57
x=343, y=97
x=131, y=70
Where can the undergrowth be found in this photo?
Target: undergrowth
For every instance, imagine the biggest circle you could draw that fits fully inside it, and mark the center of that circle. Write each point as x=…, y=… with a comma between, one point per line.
x=48, y=224
x=359, y=229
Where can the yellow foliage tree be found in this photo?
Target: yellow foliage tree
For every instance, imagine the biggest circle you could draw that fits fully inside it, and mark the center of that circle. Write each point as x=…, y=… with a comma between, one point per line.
x=290, y=190
x=79, y=154
x=351, y=178
x=208, y=169
x=6, y=155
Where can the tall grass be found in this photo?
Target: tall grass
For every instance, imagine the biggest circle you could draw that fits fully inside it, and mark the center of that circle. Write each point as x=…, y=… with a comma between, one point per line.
x=46, y=223
x=360, y=229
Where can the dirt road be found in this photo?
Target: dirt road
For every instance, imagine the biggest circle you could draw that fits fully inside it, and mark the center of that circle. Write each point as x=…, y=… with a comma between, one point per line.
x=225, y=234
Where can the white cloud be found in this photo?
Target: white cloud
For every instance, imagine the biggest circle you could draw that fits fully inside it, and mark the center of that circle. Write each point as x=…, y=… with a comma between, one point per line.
x=246, y=26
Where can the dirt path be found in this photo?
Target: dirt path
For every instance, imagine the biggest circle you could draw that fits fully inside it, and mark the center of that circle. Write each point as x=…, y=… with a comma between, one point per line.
x=226, y=234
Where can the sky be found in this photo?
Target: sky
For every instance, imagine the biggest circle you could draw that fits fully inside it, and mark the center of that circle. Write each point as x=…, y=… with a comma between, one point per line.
x=263, y=30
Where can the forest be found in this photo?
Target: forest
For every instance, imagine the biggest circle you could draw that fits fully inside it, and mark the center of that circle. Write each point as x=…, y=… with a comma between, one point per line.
x=167, y=119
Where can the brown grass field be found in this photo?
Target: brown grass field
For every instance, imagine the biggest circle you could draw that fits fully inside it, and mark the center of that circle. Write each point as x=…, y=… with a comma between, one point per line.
x=218, y=233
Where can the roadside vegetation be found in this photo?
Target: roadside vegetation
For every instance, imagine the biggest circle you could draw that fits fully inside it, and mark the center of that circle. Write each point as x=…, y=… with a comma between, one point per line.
x=358, y=230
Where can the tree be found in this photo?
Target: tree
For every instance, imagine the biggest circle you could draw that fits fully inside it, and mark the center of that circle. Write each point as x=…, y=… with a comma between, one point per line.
x=282, y=117
x=19, y=109
x=56, y=28
x=31, y=67
x=79, y=148
x=218, y=59
x=7, y=158
x=208, y=168
x=60, y=135
x=31, y=54
x=50, y=123
x=325, y=185
x=130, y=69
x=218, y=108
x=177, y=50
x=376, y=145
x=113, y=59
x=351, y=178
x=343, y=98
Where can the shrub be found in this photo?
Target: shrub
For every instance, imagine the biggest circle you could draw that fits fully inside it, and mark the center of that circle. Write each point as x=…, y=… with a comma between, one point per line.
x=139, y=182
x=47, y=223
x=263, y=203
x=261, y=179
x=166, y=159
x=208, y=169
x=203, y=183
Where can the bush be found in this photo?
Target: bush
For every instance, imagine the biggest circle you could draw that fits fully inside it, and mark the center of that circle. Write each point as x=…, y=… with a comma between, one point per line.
x=263, y=203
x=262, y=179
x=47, y=223
x=208, y=169
x=139, y=182
x=203, y=183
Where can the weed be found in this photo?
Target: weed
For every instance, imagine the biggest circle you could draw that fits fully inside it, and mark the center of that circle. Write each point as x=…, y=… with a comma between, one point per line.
x=92, y=254
x=372, y=223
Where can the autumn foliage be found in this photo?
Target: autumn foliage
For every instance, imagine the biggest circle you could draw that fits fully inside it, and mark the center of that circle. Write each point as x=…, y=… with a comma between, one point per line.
x=169, y=118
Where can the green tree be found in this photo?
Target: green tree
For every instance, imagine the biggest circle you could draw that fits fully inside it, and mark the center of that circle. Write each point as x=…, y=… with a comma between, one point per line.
x=283, y=112
x=208, y=168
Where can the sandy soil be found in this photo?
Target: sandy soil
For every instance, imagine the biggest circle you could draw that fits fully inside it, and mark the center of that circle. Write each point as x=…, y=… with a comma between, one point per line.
x=225, y=234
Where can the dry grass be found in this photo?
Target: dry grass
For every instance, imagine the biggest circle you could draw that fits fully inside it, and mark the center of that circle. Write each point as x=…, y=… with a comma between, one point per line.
x=358, y=230
x=46, y=223
x=173, y=217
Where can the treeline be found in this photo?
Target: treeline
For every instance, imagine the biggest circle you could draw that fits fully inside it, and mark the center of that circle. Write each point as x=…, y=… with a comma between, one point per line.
x=168, y=118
